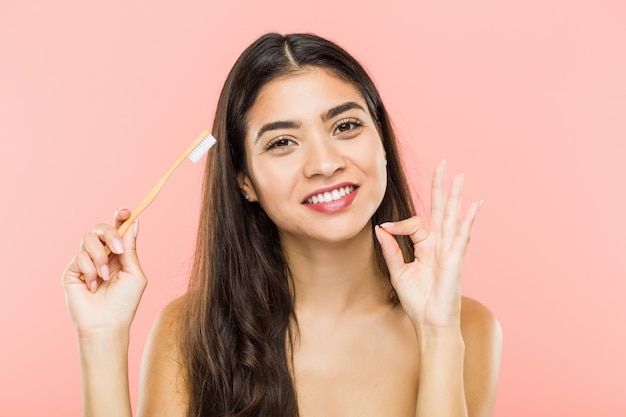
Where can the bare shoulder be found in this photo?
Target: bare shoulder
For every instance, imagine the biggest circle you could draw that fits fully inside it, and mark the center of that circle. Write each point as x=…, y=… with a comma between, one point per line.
x=482, y=335
x=162, y=388
x=167, y=323
x=478, y=320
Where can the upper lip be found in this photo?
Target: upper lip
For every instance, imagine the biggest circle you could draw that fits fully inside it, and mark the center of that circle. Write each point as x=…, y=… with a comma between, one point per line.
x=328, y=189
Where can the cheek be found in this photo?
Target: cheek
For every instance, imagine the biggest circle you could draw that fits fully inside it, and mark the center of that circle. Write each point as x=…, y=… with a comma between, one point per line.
x=271, y=182
x=382, y=166
x=382, y=178
x=378, y=165
x=370, y=156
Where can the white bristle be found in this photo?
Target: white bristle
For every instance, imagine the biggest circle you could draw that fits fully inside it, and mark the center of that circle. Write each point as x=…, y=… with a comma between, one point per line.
x=202, y=148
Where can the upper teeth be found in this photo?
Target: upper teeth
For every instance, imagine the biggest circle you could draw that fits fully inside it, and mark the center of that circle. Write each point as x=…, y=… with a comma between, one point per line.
x=329, y=196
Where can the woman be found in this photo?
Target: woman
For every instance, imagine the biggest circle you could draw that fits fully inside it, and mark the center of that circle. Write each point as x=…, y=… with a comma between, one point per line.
x=316, y=291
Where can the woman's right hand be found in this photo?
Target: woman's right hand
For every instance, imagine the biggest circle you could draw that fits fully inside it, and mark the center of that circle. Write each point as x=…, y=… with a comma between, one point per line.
x=109, y=296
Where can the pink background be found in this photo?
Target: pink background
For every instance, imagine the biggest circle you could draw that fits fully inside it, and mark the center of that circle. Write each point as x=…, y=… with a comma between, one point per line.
x=528, y=98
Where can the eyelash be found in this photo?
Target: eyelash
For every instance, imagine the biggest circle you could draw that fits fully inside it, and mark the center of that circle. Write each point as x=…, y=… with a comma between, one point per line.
x=356, y=123
x=349, y=121
x=274, y=144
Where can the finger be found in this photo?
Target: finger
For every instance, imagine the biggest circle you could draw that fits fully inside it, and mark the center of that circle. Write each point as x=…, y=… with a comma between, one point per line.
x=462, y=240
x=120, y=216
x=129, y=259
x=110, y=236
x=438, y=198
x=412, y=227
x=453, y=207
x=83, y=265
x=92, y=245
x=391, y=251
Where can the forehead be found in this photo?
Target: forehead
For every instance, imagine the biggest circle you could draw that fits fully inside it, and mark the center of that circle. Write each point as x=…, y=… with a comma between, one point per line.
x=301, y=96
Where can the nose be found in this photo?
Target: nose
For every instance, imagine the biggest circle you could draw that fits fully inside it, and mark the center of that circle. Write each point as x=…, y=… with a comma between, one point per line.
x=323, y=158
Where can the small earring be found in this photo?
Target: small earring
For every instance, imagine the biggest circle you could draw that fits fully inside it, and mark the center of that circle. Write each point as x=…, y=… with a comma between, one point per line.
x=247, y=197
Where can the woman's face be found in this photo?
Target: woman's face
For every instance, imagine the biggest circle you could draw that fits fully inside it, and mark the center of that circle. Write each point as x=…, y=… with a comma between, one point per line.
x=316, y=163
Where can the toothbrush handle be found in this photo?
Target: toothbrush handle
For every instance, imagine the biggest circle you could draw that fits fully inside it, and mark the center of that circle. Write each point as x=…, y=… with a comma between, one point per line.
x=149, y=198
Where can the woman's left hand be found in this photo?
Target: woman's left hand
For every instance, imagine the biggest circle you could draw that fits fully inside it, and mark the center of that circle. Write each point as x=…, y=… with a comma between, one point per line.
x=429, y=288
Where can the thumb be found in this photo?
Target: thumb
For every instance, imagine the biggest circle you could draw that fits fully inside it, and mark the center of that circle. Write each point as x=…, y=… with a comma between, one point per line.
x=129, y=259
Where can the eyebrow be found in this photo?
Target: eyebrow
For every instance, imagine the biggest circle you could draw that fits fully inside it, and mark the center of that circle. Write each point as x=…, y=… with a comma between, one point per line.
x=282, y=124
x=291, y=124
x=335, y=111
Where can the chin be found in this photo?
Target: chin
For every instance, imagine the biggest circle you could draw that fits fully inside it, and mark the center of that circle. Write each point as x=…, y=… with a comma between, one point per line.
x=345, y=234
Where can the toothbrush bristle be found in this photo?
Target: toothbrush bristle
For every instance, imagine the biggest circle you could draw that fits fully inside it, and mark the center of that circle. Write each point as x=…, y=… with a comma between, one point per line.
x=202, y=148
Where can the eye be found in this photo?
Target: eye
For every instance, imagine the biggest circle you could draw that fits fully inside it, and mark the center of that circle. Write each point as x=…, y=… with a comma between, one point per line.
x=347, y=125
x=281, y=143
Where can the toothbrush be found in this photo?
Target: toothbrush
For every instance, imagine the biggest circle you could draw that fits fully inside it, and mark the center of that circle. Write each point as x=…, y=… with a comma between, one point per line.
x=198, y=148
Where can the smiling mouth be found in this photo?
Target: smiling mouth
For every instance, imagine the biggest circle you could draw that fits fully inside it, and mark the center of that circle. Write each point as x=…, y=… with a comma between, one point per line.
x=328, y=196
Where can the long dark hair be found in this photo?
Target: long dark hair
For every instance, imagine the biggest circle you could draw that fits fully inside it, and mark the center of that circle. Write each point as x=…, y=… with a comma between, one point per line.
x=237, y=334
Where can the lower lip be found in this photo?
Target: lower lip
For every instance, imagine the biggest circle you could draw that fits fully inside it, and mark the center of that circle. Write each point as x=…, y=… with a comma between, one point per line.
x=335, y=205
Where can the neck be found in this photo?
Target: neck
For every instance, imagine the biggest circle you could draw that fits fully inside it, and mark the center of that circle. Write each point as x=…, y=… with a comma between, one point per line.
x=335, y=278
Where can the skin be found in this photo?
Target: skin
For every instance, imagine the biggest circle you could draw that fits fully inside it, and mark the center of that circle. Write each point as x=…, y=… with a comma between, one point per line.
x=356, y=354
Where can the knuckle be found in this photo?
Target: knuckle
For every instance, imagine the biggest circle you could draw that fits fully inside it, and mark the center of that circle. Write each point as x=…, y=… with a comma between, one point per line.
x=101, y=229
x=89, y=237
x=85, y=241
x=93, y=250
x=90, y=242
x=110, y=234
x=100, y=259
x=84, y=264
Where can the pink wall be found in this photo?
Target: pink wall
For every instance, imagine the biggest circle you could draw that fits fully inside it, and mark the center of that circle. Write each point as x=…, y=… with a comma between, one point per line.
x=528, y=98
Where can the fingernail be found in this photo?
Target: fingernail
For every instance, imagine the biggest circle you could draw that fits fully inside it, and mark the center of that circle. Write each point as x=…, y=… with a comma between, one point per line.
x=480, y=203
x=383, y=225
x=104, y=272
x=120, y=209
x=117, y=247
x=93, y=286
x=136, y=228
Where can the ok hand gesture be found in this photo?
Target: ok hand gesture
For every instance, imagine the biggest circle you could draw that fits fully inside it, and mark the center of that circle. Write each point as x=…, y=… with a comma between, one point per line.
x=429, y=288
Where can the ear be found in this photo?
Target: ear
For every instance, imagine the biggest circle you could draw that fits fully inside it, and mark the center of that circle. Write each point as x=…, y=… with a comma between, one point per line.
x=246, y=186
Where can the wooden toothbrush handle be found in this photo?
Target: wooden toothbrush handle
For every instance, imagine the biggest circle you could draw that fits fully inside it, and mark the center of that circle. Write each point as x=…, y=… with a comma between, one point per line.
x=149, y=198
